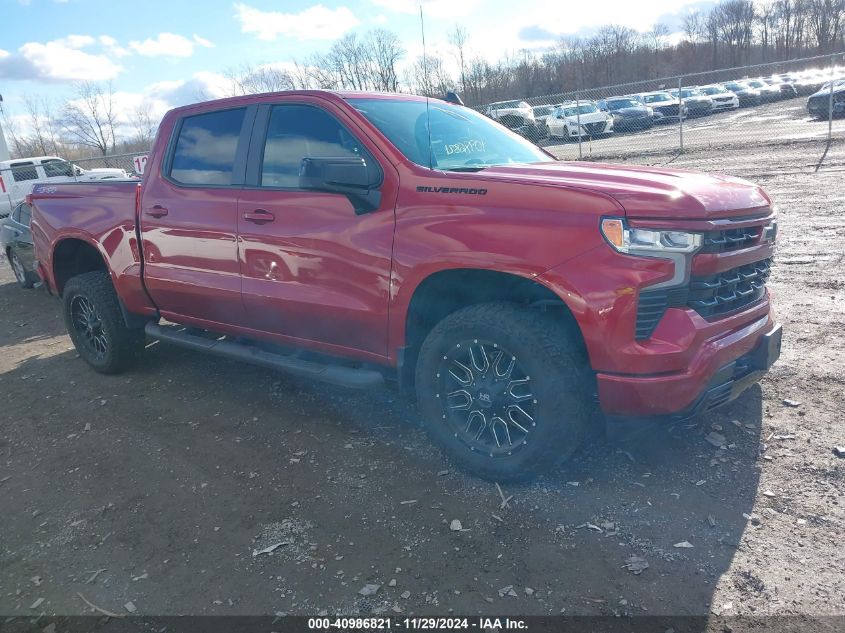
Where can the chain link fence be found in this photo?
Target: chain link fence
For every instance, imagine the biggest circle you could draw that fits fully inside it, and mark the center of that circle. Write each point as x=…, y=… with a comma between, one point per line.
x=681, y=118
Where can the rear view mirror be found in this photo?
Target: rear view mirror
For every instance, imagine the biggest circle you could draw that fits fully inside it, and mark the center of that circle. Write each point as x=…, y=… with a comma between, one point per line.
x=345, y=175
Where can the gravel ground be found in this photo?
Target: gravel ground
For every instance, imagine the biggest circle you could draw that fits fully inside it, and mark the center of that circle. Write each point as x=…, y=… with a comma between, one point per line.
x=161, y=487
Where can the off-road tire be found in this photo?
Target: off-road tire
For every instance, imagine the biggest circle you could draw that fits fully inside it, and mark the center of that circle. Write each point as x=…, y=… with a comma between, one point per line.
x=561, y=388
x=123, y=345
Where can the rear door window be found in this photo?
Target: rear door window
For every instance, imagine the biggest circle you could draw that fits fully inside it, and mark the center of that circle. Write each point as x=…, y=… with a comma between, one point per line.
x=22, y=214
x=25, y=215
x=24, y=171
x=205, y=149
x=55, y=168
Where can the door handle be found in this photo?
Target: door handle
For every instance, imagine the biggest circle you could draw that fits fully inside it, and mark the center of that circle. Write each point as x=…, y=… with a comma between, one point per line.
x=157, y=211
x=259, y=216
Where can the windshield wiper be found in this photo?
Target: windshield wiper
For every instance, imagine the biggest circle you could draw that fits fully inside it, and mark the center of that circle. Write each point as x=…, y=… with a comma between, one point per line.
x=467, y=168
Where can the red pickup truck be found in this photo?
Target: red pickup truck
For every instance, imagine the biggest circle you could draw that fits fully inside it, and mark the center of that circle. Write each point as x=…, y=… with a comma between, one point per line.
x=358, y=237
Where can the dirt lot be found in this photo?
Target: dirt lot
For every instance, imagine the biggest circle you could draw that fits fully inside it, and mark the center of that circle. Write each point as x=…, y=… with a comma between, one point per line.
x=160, y=486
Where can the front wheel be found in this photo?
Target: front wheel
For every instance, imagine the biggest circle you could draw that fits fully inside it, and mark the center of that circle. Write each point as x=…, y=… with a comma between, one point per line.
x=96, y=325
x=504, y=390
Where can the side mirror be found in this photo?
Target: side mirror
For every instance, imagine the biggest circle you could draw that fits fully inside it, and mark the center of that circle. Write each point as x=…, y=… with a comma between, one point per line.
x=345, y=175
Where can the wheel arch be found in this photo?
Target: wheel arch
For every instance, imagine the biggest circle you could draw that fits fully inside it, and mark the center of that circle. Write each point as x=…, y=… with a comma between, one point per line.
x=73, y=256
x=445, y=291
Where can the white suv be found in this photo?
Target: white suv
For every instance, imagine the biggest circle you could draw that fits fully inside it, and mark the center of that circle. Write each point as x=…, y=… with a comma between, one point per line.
x=511, y=114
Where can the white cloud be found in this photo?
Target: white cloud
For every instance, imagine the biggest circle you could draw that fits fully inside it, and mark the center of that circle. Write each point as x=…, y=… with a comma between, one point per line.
x=57, y=61
x=202, y=41
x=76, y=41
x=431, y=8
x=168, y=45
x=314, y=23
x=582, y=16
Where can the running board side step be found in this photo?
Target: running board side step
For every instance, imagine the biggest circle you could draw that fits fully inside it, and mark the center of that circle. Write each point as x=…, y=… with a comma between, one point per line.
x=334, y=374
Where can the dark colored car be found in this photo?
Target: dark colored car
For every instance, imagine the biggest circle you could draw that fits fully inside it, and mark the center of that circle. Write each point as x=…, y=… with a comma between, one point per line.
x=697, y=103
x=819, y=103
x=16, y=243
x=747, y=95
x=665, y=106
x=767, y=91
x=787, y=88
x=627, y=113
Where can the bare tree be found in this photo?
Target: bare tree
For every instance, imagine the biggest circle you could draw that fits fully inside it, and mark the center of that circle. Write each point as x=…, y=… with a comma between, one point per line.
x=695, y=27
x=735, y=23
x=248, y=79
x=458, y=38
x=90, y=119
x=826, y=21
x=44, y=136
x=383, y=51
x=145, y=125
x=429, y=76
x=766, y=17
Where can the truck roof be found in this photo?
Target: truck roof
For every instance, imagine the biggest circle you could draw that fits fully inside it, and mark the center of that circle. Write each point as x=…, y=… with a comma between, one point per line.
x=32, y=159
x=334, y=95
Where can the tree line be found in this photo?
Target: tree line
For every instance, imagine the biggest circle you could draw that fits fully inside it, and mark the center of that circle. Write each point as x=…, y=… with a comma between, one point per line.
x=732, y=33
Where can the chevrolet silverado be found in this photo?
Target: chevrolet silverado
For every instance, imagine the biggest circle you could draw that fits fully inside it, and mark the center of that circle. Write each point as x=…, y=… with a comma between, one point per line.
x=361, y=237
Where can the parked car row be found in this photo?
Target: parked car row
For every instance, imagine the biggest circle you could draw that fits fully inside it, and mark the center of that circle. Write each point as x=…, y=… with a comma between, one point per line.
x=590, y=119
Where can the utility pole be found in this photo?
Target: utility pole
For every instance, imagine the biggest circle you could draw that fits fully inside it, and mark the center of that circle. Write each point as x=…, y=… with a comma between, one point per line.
x=4, y=149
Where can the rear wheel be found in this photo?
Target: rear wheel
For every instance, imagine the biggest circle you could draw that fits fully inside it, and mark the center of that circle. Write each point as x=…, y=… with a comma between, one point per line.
x=504, y=390
x=23, y=277
x=96, y=325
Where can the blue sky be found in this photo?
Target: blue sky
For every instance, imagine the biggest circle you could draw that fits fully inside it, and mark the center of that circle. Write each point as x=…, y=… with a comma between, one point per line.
x=168, y=53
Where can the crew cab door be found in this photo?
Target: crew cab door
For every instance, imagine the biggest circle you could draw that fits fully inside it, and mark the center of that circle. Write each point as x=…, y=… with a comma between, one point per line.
x=314, y=269
x=189, y=219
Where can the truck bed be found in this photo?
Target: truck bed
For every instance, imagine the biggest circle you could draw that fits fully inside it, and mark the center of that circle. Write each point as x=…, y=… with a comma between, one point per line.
x=102, y=214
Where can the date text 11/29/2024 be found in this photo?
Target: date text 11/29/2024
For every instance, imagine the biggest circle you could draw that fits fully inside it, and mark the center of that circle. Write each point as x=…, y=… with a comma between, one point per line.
x=421, y=623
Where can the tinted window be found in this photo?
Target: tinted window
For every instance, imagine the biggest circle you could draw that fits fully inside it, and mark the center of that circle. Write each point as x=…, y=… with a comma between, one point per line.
x=54, y=168
x=616, y=104
x=22, y=214
x=296, y=132
x=205, y=149
x=24, y=171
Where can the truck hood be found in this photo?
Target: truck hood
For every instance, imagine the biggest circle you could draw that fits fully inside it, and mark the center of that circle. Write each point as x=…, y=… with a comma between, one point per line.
x=645, y=192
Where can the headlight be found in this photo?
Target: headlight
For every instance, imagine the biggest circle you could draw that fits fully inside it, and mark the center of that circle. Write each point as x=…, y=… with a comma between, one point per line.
x=648, y=241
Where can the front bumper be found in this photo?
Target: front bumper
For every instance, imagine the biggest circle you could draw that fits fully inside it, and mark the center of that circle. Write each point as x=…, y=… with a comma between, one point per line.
x=591, y=129
x=725, y=367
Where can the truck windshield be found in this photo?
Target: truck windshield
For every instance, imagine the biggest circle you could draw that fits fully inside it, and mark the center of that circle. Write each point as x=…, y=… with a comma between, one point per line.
x=460, y=138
